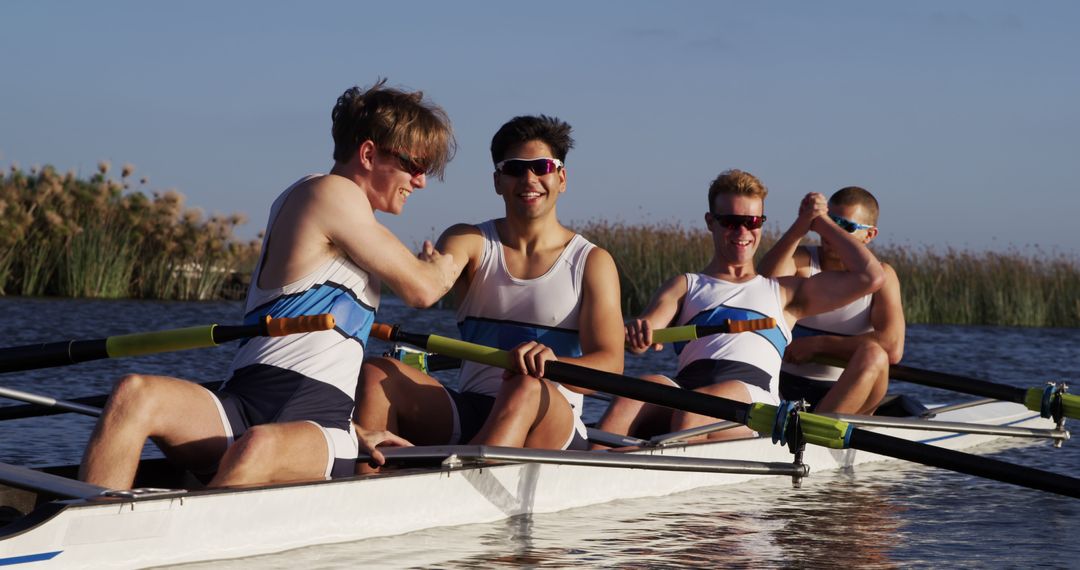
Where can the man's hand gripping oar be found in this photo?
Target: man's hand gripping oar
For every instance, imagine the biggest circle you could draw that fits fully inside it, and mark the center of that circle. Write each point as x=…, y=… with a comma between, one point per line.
x=763, y=418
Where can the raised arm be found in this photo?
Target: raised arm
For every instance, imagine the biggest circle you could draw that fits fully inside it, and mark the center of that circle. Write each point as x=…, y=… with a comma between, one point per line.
x=829, y=290
x=348, y=221
x=781, y=260
x=661, y=312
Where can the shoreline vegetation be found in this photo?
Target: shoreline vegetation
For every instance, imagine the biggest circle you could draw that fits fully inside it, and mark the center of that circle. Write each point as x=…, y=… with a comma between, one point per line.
x=62, y=235
x=101, y=237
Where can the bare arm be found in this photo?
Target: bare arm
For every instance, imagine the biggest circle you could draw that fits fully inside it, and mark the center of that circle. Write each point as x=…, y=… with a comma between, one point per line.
x=829, y=290
x=465, y=244
x=661, y=312
x=781, y=261
x=887, y=318
x=347, y=220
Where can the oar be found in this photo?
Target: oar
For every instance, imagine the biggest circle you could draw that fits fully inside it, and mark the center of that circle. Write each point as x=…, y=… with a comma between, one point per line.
x=1042, y=399
x=692, y=332
x=762, y=418
x=46, y=355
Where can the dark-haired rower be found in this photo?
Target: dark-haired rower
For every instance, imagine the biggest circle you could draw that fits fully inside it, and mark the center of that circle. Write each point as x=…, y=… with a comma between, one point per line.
x=528, y=285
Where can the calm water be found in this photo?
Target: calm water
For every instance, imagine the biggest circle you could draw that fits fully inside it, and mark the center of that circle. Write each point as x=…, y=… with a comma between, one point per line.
x=885, y=516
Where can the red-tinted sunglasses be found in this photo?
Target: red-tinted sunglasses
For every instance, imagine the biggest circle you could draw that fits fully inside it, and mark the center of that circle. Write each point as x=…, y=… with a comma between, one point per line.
x=408, y=163
x=539, y=166
x=732, y=221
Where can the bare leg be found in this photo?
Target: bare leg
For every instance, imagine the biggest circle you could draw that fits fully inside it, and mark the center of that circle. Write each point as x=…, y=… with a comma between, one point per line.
x=396, y=397
x=862, y=384
x=180, y=416
x=732, y=390
x=274, y=453
x=636, y=418
x=528, y=412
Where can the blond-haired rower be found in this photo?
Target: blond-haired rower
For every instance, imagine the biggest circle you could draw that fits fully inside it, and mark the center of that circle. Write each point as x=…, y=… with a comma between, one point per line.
x=285, y=412
x=744, y=366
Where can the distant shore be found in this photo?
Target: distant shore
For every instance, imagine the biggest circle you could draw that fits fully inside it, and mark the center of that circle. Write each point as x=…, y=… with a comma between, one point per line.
x=102, y=237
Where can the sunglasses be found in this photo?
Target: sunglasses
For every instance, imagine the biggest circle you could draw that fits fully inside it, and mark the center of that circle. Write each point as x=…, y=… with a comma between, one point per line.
x=408, y=164
x=539, y=166
x=848, y=225
x=732, y=221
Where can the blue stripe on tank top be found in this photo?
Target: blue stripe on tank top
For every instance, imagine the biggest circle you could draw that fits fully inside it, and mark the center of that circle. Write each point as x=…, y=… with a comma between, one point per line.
x=717, y=316
x=508, y=334
x=353, y=317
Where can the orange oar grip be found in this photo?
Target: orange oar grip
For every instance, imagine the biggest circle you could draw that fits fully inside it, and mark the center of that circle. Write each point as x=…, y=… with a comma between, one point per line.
x=295, y=325
x=751, y=325
x=382, y=331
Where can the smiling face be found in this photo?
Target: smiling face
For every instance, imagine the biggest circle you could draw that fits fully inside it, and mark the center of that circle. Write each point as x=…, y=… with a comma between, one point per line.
x=735, y=245
x=393, y=181
x=530, y=196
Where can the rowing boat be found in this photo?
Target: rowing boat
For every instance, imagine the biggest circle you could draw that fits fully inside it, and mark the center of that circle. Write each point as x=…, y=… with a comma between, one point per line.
x=71, y=524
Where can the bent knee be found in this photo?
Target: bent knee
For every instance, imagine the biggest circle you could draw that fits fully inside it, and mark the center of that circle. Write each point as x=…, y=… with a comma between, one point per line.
x=259, y=441
x=133, y=392
x=874, y=356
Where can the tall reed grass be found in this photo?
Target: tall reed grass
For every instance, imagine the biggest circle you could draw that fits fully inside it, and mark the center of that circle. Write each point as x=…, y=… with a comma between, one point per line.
x=96, y=237
x=955, y=287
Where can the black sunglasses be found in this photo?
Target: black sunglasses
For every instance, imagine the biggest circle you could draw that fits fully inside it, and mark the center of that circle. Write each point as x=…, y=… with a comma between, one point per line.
x=518, y=166
x=408, y=163
x=732, y=221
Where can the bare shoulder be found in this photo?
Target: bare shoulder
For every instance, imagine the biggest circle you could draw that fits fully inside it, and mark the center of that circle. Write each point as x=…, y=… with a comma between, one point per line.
x=600, y=260
x=890, y=273
x=334, y=191
x=461, y=231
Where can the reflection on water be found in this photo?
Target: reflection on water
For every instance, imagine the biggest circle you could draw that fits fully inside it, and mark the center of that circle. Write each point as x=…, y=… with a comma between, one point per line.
x=880, y=516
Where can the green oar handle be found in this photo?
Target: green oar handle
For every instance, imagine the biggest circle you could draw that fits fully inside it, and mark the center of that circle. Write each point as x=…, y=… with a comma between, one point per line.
x=47, y=355
x=211, y=335
x=691, y=332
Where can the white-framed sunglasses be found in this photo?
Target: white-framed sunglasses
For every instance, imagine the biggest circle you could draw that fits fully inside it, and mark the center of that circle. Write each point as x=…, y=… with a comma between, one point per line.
x=539, y=166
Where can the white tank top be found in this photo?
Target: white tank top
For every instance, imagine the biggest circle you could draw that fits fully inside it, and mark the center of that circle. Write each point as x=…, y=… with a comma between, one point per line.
x=503, y=311
x=850, y=320
x=337, y=287
x=711, y=301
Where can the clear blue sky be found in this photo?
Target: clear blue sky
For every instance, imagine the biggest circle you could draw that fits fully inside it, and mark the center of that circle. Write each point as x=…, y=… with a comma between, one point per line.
x=962, y=117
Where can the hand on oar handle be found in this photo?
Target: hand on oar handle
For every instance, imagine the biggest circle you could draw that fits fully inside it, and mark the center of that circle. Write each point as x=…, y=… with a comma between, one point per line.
x=296, y=325
x=730, y=326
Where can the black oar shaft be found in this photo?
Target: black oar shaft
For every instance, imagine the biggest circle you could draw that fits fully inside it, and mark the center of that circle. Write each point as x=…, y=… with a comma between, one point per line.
x=958, y=383
x=45, y=355
x=979, y=466
x=645, y=391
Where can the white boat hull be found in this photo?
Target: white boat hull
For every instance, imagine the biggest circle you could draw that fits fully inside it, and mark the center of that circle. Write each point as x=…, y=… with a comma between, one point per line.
x=210, y=525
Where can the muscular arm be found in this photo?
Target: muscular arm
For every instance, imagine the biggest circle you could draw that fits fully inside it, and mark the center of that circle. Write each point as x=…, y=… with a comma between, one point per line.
x=662, y=310
x=786, y=258
x=887, y=318
x=829, y=290
x=600, y=318
x=348, y=221
x=465, y=244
